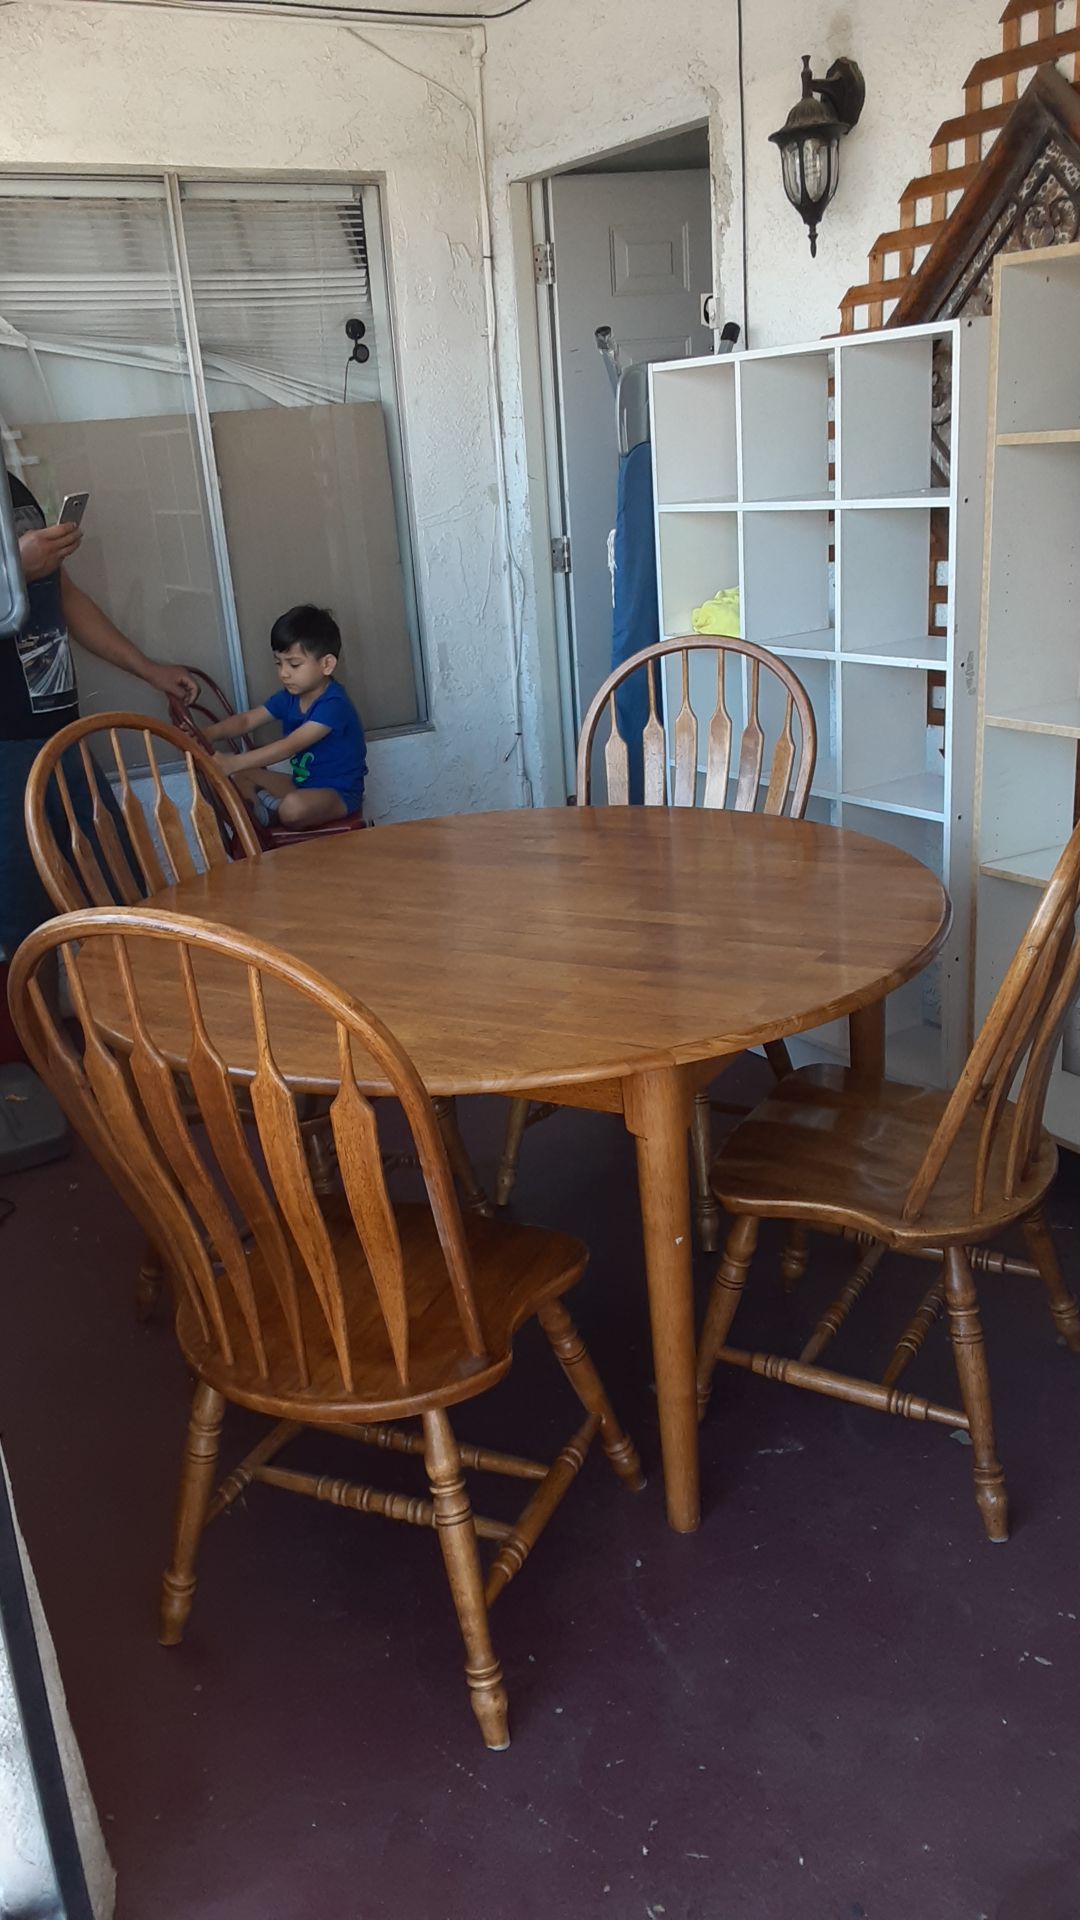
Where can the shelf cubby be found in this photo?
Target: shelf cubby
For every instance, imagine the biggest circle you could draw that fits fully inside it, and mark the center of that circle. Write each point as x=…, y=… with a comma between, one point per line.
x=787, y=580
x=1033, y=596
x=699, y=556
x=897, y=765
x=886, y=405
x=1027, y=803
x=694, y=443
x=784, y=403
x=885, y=580
x=1037, y=315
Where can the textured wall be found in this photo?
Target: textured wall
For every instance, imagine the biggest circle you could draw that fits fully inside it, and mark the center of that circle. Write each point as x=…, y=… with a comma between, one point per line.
x=96, y=86
x=99, y=87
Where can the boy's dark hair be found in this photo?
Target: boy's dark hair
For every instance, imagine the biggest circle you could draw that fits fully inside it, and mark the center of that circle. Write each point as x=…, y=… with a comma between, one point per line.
x=312, y=628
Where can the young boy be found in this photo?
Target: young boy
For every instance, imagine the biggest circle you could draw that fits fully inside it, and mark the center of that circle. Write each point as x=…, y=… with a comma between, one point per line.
x=323, y=738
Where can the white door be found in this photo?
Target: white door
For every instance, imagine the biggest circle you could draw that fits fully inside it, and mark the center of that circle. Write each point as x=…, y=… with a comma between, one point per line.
x=632, y=251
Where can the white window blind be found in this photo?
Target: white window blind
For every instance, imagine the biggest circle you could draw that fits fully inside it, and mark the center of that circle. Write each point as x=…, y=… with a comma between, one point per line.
x=274, y=281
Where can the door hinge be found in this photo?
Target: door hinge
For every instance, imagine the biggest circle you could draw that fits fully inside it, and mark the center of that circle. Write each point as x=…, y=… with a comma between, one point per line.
x=544, y=263
x=560, y=554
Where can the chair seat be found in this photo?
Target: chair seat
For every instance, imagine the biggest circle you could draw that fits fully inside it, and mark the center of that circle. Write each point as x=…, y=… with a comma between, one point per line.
x=826, y=1141
x=515, y=1270
x=289, y=836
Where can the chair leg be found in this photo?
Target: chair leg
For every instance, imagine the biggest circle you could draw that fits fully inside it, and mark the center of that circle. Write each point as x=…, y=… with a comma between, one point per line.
x=1040, y=1245
x=576, y=1362
x=793, y=1259
x=196, y=1485
x=472, y=1193
x=149, y=1284
x=706, y=1211
x=516, y=1122
x=779, y=1058
x=965, y=1328
x=457, y=1538
x=723, y=1300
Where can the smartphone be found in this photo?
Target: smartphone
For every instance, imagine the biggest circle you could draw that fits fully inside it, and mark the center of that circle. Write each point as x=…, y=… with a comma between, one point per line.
x=72, y=509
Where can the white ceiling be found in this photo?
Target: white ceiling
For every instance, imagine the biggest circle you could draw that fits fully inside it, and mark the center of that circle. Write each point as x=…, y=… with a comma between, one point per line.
x=437, y=10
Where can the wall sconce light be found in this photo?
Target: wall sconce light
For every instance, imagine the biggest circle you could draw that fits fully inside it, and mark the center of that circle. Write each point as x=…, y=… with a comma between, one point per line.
x=809, y=140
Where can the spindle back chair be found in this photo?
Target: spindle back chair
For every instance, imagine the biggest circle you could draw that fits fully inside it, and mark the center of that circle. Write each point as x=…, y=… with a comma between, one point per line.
x=672, y=777
x=785, y=787
x=342, y=1311
x=167, y=823
x=922, y=1172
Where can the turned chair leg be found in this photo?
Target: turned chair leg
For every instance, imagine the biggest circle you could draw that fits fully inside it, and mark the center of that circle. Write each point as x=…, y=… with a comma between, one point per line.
x=576, y=1362
x=149, y=1284
x=726, y=1294
x=1063, y=1307
x=196, y=1485
x=516, y=1121
x=793, y=1259
x=965, y=1328
x=779, y=1058
x=472, y=1193
x=457, y=1538
x=706, y=1210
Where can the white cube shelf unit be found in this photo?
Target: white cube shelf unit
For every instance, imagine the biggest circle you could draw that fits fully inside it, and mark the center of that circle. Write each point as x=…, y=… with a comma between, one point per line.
x=1029, y=705
x=806, y=477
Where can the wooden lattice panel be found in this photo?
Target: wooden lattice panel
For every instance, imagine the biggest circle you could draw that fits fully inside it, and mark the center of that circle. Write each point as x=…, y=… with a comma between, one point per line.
x=1032, y=33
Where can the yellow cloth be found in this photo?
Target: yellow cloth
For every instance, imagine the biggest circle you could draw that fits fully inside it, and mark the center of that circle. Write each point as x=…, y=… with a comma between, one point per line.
x=721, y=614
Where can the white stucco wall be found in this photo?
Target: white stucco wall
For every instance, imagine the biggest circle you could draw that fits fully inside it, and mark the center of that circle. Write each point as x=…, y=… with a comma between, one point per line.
x=95, y=86
x=98, y=87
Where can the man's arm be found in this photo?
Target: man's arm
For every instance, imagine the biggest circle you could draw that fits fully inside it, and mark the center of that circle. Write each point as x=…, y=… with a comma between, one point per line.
x=237, y=723
x=95, y=631
x=297, y=741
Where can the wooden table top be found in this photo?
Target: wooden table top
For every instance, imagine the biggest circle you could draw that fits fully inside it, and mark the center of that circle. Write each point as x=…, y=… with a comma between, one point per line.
x=534, y=948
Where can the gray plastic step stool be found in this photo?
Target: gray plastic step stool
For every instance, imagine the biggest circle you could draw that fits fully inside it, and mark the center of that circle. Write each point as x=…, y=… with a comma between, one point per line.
x=32, y=1128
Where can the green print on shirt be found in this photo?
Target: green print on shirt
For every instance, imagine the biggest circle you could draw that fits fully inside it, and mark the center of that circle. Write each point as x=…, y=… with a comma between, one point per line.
x=301, y=768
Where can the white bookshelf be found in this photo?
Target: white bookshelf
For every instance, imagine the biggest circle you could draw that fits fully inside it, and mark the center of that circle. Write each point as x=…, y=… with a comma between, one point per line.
x=1029, y=704
x=805, y=476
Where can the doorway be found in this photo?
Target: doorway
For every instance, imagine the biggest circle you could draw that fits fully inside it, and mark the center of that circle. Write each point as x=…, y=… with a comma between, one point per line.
x=625, y=242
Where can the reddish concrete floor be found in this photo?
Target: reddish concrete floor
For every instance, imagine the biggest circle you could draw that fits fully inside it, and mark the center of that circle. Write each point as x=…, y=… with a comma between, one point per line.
x=836, y=1701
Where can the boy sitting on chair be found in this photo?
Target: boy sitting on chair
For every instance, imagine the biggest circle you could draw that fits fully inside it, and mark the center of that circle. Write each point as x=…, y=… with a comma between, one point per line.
x=323, y=739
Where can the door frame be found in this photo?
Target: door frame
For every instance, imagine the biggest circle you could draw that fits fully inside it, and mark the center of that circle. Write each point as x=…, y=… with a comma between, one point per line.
x=544, y=452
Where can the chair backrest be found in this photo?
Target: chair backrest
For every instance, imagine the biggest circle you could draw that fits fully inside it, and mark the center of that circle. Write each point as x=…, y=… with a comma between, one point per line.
x=155, y=834
x=183, y=1161
x=791, y=765
x=210, y=704
x=1017, y=1043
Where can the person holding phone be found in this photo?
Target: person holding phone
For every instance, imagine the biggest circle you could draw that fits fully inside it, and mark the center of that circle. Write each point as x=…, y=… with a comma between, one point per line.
x=39, y=695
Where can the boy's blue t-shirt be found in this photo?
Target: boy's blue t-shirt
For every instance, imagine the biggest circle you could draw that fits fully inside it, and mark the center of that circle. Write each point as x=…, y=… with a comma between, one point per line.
x=339, y=761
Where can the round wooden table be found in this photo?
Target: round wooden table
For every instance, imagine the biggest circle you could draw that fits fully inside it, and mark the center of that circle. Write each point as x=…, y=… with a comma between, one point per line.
x=599, y=957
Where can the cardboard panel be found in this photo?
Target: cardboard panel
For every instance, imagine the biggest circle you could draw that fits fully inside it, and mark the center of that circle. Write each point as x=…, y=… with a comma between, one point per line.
x=309, y=512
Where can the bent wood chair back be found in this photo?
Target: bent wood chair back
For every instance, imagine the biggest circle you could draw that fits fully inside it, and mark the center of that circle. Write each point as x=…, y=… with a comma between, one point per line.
x=109, y=824
x=785, y=787
x=1014, y=1052
x=214, y=1207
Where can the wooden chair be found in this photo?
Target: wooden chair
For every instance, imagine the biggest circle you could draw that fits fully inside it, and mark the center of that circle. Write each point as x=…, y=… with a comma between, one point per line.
x=210, y=705
x=166, y=825
x=671, y=777
x=921, y=1172
x=344, y=1311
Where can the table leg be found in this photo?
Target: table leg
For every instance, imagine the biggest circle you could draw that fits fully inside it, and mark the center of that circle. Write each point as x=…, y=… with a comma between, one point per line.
x=657, y=1107
x=866, y=1040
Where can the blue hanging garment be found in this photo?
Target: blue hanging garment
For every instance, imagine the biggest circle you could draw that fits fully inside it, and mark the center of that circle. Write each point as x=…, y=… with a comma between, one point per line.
x=636, y=620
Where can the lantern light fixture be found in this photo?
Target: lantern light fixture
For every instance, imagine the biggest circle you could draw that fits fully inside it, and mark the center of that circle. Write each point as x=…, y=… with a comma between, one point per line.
x=809, y=140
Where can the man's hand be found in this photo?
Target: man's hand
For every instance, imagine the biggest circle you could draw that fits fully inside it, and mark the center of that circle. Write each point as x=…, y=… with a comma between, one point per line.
x=227, y=761
x=46, y=549
x=175, y=683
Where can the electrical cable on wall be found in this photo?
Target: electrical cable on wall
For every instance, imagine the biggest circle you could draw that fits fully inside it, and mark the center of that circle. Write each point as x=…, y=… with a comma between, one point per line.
x=301, y=10
x=514, y=576
x=742, y=171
